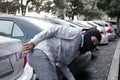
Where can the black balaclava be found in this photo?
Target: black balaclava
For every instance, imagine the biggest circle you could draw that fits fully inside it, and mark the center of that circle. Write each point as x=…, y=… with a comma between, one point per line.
x=88, y=44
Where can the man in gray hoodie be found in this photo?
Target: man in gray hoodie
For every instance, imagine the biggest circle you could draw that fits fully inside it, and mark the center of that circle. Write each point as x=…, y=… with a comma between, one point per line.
x=58, y=45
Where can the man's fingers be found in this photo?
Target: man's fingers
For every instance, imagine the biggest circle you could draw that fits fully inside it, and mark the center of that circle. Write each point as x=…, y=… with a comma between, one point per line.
x=25, y=52
x=27, y=47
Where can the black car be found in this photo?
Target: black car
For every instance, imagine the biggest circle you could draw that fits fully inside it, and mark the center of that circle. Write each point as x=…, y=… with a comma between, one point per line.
x=24, y=28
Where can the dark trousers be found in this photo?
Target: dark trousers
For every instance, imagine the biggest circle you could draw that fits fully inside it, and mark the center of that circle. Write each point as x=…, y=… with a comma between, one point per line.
x=42, y=66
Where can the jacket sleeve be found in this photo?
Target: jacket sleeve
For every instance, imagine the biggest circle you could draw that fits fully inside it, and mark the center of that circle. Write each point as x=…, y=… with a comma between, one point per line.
x=43, y=35
x=56, y=31
x=65, y=70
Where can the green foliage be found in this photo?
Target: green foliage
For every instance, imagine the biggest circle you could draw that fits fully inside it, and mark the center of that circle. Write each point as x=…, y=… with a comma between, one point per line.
x=93, y=14
x=68, y=8
x=59, y=4
x=103, y=4
x=111, y=7
x=47, y=6
x=8, y=7
x=37, y=2
x=75, y=7
x=4, y=6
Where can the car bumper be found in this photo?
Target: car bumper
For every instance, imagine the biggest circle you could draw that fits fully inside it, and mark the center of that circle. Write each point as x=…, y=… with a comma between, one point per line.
x=27, y=74
x=84, y=61
x=111, y=36
x=81, y=63
x=104, y=39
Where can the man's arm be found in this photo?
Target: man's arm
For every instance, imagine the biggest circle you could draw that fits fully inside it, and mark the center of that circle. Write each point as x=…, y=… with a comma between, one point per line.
x=62, y=32
x=27, y=47
x=65, y=70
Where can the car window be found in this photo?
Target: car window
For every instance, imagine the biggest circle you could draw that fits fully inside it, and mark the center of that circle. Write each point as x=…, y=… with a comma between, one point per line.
x=92, y=24
x=10, y=29
x=17, y=32
x=106, y=25
x=114, y=23
x=6, y=29
x=98, y=24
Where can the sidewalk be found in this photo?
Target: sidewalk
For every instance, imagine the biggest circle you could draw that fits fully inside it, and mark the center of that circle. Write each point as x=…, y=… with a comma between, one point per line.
x=114, y=69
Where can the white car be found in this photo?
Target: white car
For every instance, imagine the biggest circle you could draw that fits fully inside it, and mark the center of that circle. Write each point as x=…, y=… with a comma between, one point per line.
x=109, y=29
x=103, y=32
x=114, y=24
x=12, y=65
x=24, y=28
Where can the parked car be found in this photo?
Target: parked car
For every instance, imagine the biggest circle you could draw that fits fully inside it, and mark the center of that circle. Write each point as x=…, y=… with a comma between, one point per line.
x=108, y=27
x=114, y=24
x=83, y=23
x=84, y=27
x=102, y=30
x=24, y=28
x=58, y=21
x=12, y=60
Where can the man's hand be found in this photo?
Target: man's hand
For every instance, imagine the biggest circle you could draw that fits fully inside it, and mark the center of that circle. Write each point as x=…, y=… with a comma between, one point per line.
x=27, y=47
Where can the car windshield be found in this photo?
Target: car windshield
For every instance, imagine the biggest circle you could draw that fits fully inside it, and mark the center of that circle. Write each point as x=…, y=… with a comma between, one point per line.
x=42, y=24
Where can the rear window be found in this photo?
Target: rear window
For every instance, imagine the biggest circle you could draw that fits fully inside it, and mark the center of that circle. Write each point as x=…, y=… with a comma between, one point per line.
x=38, y=22
x=114, y=23
x=6, y=29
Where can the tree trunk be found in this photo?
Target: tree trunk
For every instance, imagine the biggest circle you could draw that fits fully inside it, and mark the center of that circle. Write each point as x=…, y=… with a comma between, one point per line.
x=118, y=25
x=72, y=17
x=6, y=10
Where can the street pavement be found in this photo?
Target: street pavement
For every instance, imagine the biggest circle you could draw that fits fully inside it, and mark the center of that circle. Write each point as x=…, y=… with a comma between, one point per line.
x=104, y=64
x=114, y=69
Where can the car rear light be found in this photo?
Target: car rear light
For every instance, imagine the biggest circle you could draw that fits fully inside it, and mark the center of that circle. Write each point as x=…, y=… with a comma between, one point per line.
x=101, y=32
x=25, y=61
x=20, y=55
x=84, y=31
x=110, y=24
x=109, y=30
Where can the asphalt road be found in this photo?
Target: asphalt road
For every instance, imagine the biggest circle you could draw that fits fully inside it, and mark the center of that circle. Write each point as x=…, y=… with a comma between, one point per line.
x=100, y=64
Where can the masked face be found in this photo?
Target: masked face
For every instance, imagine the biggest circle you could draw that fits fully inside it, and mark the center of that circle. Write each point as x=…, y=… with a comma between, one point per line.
x=91, y=40
x=88, y=45
x=94, y=40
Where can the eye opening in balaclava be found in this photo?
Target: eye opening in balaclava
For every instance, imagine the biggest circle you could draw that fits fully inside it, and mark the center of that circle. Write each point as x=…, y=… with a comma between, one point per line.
x=88, y=44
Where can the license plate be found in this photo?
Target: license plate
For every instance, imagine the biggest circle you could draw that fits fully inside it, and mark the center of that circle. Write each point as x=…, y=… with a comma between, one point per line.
x=5, y=67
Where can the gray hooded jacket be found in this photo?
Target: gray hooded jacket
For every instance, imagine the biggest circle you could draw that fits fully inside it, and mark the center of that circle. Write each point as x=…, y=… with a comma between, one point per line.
x=60, y=44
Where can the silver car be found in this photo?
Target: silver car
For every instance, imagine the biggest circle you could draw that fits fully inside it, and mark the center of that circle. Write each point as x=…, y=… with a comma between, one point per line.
x=12, y=65
x=102, y=30
x=24, y=28
x=109, y=29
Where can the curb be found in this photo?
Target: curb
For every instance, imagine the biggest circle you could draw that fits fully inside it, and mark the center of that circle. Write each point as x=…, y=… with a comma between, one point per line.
x=114, y=68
